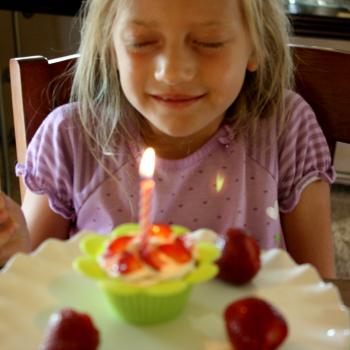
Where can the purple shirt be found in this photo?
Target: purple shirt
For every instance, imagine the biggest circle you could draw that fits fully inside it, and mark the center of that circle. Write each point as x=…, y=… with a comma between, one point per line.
x=230, y=181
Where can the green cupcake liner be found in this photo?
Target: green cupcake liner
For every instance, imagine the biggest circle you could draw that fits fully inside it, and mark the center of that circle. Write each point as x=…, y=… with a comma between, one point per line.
x=144, y=309
x=141, y=305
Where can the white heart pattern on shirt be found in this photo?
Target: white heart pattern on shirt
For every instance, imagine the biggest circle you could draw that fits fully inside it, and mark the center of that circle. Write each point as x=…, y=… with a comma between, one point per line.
x=272, y=212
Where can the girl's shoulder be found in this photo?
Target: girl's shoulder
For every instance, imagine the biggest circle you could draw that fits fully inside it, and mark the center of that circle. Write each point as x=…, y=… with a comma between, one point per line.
x=66, y=114
x=59, y=132
x=276, y=135
x=294, y=113
x=63, y=122
x=298, y=117
x=295, y=105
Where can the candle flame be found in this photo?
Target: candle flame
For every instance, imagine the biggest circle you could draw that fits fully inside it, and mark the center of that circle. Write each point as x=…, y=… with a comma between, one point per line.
x=147, y=164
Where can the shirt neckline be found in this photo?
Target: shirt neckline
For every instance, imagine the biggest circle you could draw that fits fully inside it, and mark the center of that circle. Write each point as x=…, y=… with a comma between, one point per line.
x=223, y=137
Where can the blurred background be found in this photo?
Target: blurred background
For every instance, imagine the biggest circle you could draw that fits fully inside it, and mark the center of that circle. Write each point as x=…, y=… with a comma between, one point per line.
x=27, y=28
x=50, y=28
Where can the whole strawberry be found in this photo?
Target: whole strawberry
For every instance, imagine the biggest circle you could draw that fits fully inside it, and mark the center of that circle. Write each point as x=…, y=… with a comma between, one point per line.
x=70, y=330
x=240, y=258
x=254, y=324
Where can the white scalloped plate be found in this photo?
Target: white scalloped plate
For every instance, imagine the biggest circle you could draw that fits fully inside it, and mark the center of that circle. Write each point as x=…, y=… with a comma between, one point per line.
x=33, y=286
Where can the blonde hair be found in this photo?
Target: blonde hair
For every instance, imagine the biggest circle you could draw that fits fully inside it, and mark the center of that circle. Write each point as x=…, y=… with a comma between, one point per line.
x=264, y=90
x=104, y=109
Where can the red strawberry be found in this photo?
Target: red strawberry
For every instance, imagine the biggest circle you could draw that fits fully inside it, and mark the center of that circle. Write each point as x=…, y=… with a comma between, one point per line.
x=254, y=324
x=70, y=330
x=117, y=245
x=240, y=258
x=160, y=230
x=177, y=251
x=128, y=262
x=151, y=256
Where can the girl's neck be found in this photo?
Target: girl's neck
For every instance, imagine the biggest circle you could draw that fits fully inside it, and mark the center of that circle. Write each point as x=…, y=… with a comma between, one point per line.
x=169, y=147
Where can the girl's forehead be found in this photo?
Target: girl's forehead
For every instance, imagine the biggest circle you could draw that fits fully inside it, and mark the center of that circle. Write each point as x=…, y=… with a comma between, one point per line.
x=167, y=11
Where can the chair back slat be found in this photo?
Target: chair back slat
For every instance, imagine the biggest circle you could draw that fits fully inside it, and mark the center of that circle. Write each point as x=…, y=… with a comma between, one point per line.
x=323, y=79
x=37, y=86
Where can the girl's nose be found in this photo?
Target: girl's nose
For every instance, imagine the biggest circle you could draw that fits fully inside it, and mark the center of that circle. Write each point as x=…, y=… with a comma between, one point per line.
x=175, y=66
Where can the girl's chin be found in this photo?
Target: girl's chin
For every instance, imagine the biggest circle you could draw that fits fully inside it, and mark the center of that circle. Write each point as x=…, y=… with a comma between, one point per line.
x=175, y=132
x=159, y=129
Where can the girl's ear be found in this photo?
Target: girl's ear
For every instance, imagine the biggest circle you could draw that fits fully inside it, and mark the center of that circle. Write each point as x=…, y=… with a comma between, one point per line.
x=252, y=64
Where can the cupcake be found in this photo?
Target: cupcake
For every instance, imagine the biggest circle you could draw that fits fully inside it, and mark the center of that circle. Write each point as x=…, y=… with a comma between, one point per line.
x=148, y=281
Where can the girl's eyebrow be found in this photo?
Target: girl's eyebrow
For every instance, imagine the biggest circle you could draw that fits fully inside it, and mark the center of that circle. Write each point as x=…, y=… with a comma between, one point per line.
x=214, y=23
x=142, y=23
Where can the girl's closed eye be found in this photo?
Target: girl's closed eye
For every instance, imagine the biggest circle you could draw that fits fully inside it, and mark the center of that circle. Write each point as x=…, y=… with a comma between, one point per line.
x=146, y=43
x=139, y=44
x=210, y=41
x=209, y=44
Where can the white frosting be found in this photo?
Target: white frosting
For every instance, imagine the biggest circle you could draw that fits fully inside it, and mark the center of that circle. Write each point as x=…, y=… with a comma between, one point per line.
x=202, y=235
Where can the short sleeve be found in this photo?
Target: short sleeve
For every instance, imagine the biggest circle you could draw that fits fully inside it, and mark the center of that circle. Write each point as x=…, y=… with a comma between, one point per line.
x=49, y=161
x=303, y=154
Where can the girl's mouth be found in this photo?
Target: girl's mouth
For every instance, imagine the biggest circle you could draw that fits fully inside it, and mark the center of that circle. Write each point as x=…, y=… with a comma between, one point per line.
x=176, y=100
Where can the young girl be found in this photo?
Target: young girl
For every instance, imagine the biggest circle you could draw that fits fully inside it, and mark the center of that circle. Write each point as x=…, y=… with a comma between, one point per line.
x=206, y=84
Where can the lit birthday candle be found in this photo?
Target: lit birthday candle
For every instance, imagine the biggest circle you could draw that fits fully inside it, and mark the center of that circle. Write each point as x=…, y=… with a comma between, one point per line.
x=146, y=191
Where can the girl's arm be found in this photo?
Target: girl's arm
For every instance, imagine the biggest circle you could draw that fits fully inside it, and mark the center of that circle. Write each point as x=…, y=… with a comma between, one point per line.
x=307, y=229
x=42, y=222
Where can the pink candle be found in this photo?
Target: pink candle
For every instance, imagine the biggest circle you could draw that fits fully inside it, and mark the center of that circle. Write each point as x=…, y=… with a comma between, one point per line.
x=146, y=191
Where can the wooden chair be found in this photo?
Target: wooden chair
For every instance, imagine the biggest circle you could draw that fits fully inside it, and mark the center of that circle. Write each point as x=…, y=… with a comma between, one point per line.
x=322, y=78
x=38, y=85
